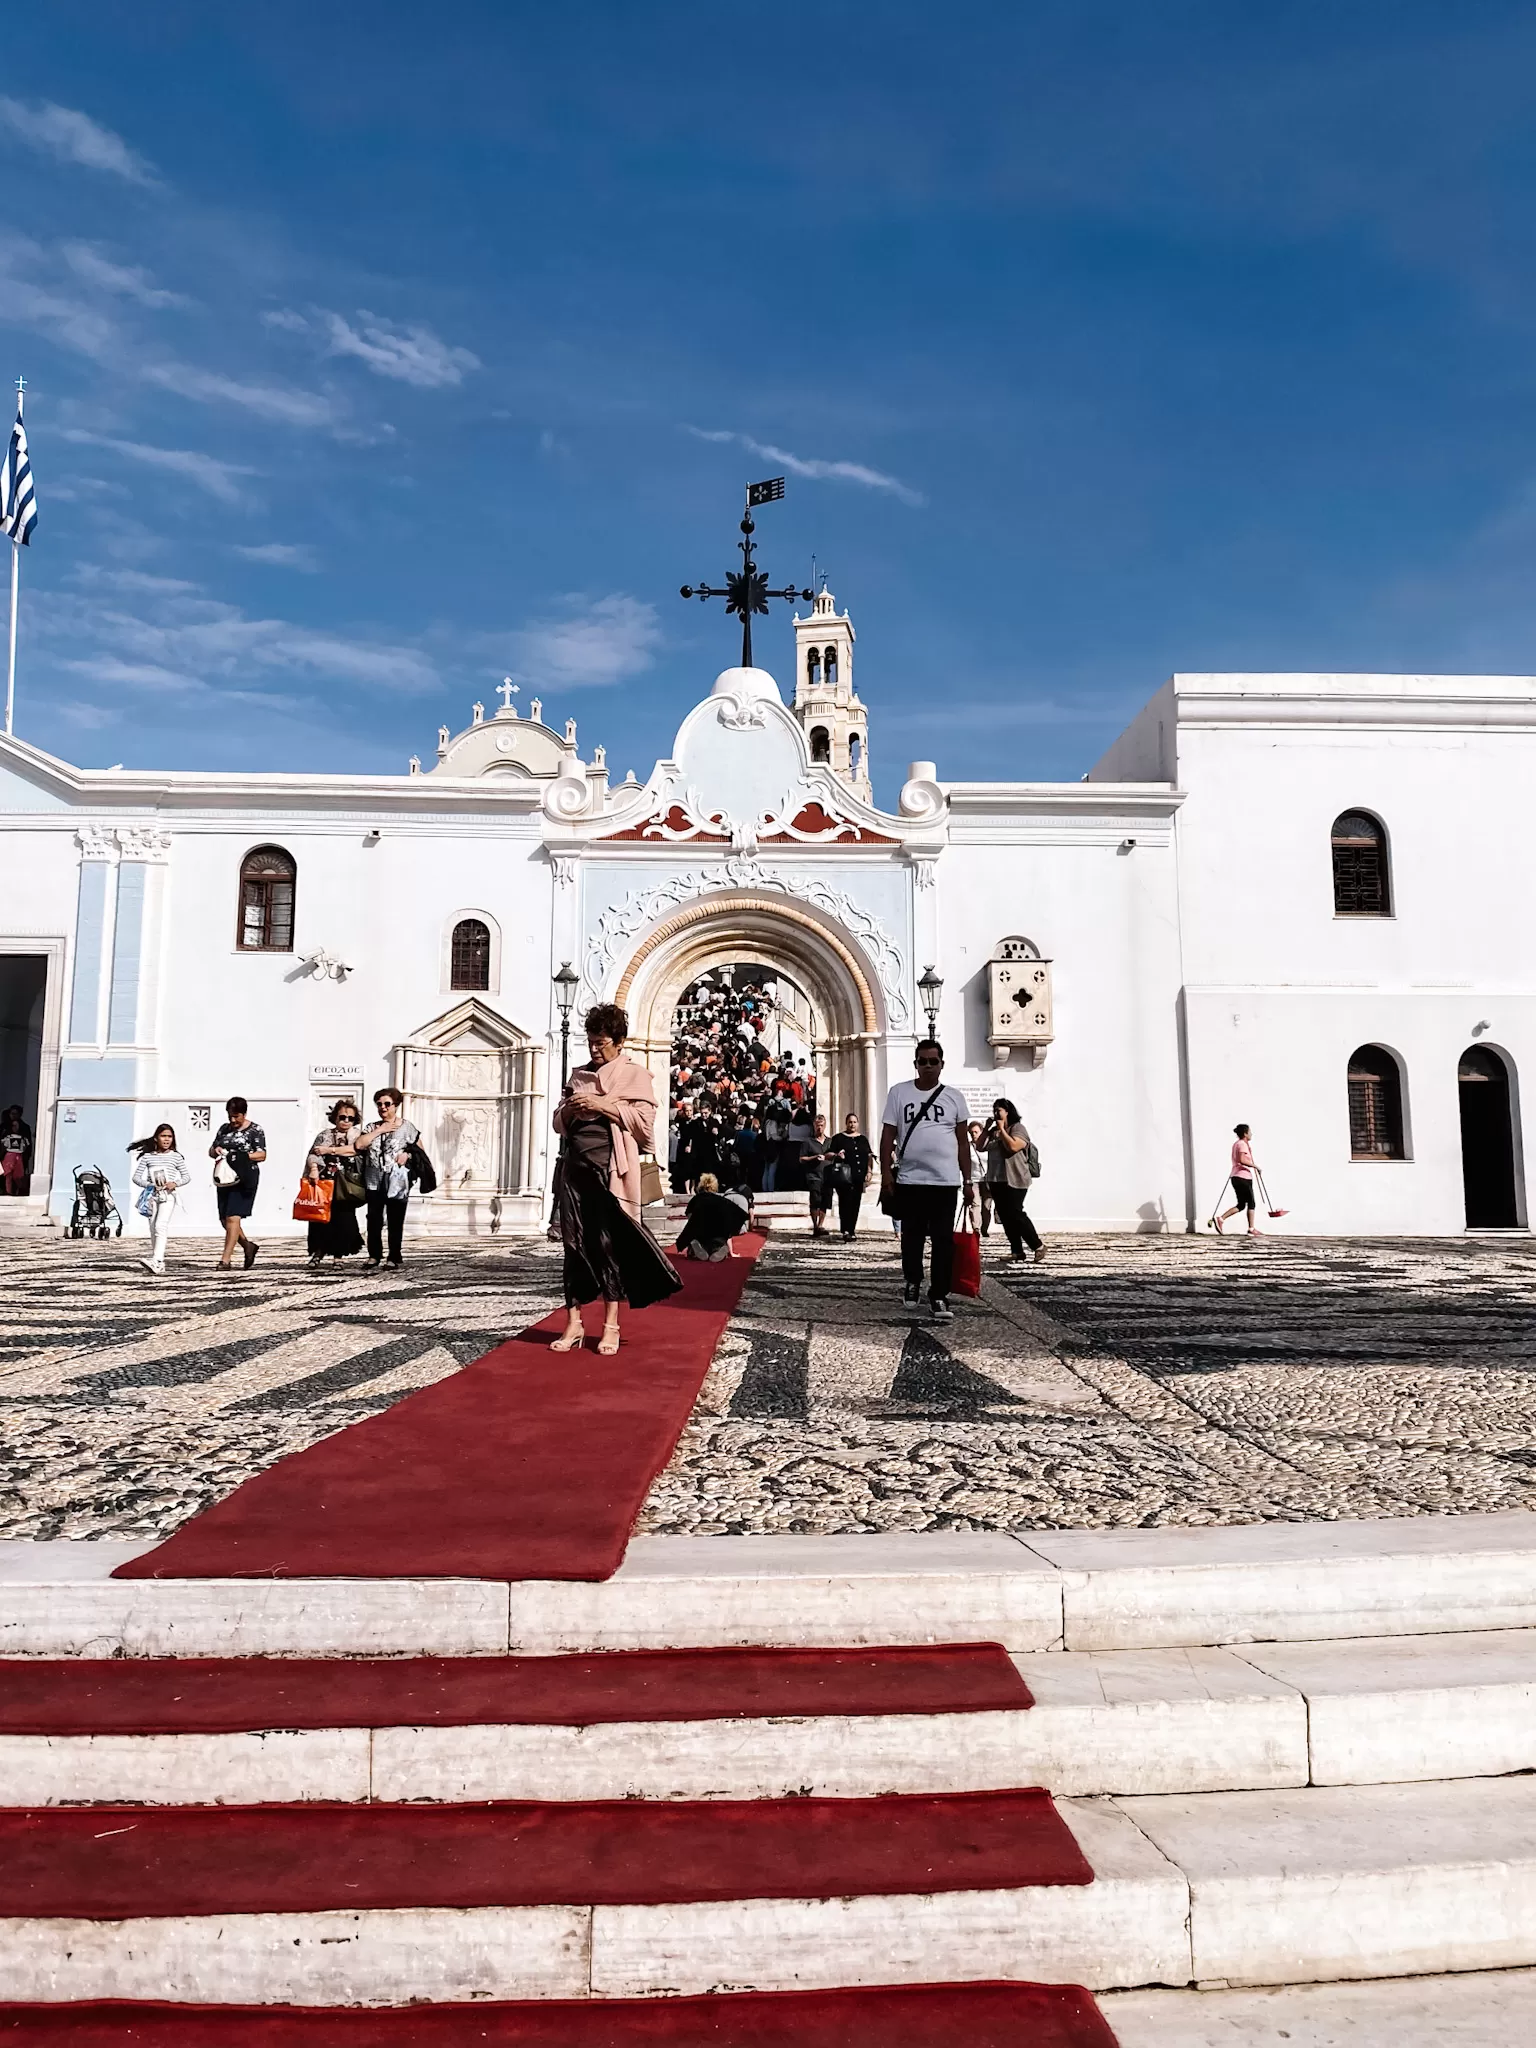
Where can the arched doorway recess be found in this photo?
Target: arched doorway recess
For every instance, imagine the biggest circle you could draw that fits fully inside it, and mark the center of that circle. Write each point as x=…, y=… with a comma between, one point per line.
x=721, y=931
x=1483, y=1083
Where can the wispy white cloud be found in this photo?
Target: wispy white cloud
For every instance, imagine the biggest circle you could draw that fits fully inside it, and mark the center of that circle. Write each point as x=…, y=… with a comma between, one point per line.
x=210, y=475
x=74, y=138
x=162, y=635
x=281, y=554
x=409, y=355
x=126, y=280
x=590, y=644
x=815, y=466
x=93, y=576
x=268, y=401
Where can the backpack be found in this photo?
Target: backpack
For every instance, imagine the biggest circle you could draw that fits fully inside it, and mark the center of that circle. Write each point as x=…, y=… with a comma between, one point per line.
x=1032, y=1158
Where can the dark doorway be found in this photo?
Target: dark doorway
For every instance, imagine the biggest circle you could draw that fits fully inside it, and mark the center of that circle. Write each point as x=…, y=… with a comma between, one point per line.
x=1487, y=1141
x=23, y=992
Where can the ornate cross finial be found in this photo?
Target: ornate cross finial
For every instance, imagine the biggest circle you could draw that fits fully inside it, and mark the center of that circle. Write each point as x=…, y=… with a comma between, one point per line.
x=506, y=690
x=746, y=589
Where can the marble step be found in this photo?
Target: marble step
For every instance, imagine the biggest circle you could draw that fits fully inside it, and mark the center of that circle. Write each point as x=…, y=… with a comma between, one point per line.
x=1473, y=2010
x=1368, y=1711
x=1113, y=1589
x=1333, y=1883
x=1321, y=1885
x=1125, y=1927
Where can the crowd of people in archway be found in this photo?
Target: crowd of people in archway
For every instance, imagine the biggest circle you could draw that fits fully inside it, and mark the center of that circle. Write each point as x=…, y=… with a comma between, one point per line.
x=740, y=1111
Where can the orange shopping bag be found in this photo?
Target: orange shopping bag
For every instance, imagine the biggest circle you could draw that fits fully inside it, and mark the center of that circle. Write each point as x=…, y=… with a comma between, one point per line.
x=312, y=1204
x=967, y=1274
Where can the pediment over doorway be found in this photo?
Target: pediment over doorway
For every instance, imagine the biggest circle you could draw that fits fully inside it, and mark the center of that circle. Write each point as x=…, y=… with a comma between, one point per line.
x=470, y=1026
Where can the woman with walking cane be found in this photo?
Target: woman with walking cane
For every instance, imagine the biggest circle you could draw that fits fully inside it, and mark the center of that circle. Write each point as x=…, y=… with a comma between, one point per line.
x=605, y=1120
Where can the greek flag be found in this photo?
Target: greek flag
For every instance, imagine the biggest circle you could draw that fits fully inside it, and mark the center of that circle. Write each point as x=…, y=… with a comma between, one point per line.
x=18, y=501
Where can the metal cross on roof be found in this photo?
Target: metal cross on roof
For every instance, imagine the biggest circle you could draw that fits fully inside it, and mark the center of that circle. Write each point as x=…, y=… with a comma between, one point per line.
x=746, y=589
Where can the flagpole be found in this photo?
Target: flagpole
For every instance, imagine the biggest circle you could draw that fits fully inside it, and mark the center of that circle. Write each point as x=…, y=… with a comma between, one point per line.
x=10, y=673
x=10, y=667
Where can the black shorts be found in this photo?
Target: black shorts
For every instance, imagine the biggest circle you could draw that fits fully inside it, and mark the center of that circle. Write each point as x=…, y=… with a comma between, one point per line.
x=1242, y=1192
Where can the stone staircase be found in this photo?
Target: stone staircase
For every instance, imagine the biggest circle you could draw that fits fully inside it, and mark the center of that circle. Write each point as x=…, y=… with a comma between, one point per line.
x=1297, y=1758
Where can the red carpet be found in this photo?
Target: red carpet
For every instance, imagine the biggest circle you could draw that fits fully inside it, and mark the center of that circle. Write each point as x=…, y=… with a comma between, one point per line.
x=213, y=1695
x=917, y=2016
x=527, y=1464
x=132, y=1862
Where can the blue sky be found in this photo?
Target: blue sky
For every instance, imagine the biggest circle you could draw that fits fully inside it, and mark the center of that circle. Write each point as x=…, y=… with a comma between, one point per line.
x=376, y=352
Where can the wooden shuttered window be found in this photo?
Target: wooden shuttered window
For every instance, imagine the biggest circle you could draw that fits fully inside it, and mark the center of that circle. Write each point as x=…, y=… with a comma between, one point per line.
x=268, y=877
x=1360, y=867
x=1375, y=1105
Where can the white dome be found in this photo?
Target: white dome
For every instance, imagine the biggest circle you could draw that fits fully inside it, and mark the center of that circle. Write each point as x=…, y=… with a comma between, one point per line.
x=746, y=683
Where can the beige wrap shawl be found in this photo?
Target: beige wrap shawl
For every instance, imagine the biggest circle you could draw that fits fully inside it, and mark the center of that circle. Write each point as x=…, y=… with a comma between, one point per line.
x=628, y=1086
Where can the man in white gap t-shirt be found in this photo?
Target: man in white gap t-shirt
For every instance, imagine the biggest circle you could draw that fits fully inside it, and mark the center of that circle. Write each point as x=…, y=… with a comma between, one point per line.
x=925, y=1160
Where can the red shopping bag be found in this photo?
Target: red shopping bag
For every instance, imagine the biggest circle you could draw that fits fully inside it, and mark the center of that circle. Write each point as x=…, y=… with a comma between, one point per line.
x=312, y=1204
x=966, y=1278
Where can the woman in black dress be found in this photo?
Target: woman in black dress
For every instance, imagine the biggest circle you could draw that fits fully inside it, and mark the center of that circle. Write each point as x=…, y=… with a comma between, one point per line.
x=817, y=1168
x=605, y=1120
x=332, y=1158
x=852, y=1160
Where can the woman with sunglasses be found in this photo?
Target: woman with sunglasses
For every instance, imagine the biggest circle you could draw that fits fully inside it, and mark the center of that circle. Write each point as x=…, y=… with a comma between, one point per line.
x=332, y=1158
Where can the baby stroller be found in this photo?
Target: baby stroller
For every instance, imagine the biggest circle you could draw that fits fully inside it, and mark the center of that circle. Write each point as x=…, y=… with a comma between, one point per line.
x=94, y=1212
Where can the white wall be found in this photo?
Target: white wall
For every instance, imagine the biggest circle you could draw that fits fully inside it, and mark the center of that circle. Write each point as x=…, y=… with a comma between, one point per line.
x=1104, y=1107
x=1281, y=991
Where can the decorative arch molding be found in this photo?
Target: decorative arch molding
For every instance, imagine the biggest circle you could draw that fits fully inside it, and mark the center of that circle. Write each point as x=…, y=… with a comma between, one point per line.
x=750, y=923
x=837, y=920
x=725, y=929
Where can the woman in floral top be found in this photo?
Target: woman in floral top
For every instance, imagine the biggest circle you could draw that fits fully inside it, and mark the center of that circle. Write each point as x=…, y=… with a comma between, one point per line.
x=238, y=1148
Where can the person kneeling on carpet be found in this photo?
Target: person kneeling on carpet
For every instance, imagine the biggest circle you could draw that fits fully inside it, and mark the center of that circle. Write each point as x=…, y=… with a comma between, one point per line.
x=605, y=1120
x=712, y=1220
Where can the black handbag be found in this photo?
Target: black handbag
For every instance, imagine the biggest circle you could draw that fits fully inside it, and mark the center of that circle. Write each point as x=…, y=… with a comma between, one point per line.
x=419, y=1169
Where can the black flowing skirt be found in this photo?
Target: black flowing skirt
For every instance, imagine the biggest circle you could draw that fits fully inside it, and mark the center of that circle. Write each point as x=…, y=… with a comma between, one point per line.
x=339, y=1238
x=607, y=1252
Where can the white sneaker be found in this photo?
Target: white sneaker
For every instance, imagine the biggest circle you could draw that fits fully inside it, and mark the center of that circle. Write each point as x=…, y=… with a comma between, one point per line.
x=150, y=1267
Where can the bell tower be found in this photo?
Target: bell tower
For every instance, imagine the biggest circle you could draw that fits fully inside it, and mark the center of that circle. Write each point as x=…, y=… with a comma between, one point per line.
x=825, y=704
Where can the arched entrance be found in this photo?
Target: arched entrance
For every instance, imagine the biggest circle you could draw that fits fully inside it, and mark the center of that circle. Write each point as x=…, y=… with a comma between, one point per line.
x=719, y=933
x=1487, y=1140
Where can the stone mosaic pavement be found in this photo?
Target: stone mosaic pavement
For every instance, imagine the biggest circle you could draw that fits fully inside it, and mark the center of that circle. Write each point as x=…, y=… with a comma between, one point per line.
x=127, y=1404
x=1127, y=1381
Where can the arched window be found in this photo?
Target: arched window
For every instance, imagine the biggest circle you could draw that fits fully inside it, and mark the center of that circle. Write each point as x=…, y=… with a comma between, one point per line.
x=267, y=877
x=813, y=669
x=821, y=744
x=470, y=965
x=1360, y=867
x=855, y=753
x=1375, y=1104
x=829, y=667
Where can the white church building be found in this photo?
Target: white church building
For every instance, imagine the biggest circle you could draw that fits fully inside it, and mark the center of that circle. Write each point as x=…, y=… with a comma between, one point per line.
x=1277, y=899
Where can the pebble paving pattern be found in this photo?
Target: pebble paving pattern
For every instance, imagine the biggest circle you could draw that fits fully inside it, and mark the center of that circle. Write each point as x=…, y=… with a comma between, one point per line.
x=127, y=1403
x=1125, y=1382
x=1128, y=1381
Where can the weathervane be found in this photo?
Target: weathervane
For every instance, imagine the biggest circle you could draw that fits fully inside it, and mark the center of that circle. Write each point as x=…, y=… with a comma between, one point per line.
x=746, y=589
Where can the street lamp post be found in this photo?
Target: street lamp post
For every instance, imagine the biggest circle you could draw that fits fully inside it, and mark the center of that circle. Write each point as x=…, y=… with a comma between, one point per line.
x=567, y=981
x=930, y=987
